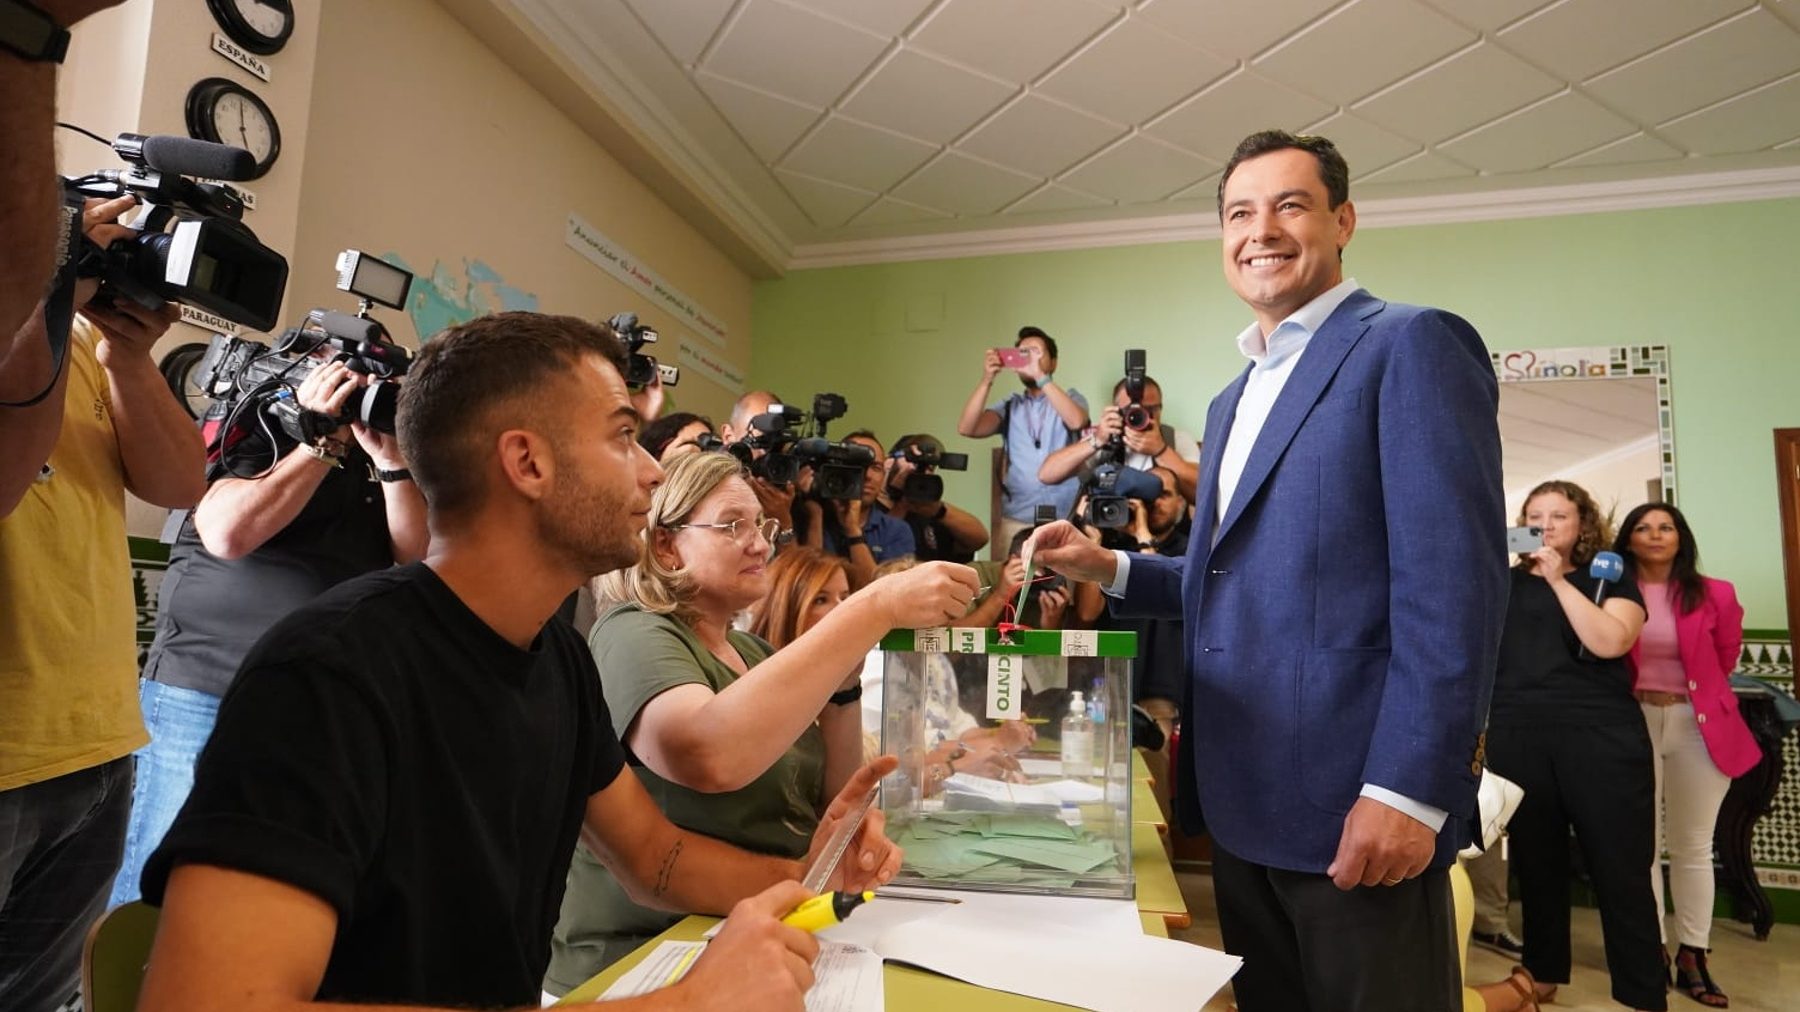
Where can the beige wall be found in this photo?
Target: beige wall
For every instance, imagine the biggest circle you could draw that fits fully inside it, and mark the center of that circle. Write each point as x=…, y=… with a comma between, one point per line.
x=402, y=132
x=424, y=143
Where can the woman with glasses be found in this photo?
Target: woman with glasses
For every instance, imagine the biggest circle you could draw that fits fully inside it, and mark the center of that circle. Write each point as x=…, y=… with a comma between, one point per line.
x=734, y=739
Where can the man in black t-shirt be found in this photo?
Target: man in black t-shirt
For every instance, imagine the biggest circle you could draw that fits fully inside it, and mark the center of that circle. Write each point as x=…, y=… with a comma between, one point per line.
x=399, y=773
x=281, y=523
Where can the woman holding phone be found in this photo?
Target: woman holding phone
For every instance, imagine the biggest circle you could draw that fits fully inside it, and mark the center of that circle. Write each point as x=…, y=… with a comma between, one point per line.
x=1699, y=742
x=1565, y=727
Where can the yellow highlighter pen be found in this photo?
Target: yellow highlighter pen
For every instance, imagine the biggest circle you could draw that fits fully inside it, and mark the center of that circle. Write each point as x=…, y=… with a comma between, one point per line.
x=824, y=910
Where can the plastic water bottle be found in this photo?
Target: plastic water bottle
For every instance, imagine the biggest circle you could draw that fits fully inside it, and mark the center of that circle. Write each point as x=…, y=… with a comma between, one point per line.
x=1077, y=740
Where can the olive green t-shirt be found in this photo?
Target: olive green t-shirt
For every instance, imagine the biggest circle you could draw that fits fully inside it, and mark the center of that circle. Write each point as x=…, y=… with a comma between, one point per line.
x=640, y=656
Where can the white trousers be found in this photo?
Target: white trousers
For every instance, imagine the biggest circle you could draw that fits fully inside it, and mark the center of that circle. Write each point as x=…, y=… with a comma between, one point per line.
x=1690, y=790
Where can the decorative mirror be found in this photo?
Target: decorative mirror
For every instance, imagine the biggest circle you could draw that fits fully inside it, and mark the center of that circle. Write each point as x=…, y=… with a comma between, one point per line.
x=1598, y=417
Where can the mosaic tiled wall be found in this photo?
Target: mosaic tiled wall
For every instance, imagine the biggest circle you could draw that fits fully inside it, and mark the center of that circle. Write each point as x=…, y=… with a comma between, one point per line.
x=1776, y=845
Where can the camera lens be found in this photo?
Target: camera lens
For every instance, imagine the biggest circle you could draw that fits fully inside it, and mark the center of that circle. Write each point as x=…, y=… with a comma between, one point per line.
x=1136, y=418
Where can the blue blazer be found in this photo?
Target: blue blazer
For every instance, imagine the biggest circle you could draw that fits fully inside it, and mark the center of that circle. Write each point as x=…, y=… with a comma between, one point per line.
x=1343, y=623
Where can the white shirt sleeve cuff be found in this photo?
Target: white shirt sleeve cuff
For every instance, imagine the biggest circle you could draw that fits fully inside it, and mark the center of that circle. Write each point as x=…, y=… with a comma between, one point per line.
x=1117, y=587
x=1433, y=818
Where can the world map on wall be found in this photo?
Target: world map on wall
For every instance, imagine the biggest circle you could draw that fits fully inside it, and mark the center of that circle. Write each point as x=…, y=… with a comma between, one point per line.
x=452, y=294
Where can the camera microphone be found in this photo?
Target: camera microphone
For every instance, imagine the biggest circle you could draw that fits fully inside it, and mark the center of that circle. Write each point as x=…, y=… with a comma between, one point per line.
x=186, y=156
x=1606, y=568
x=812, y=447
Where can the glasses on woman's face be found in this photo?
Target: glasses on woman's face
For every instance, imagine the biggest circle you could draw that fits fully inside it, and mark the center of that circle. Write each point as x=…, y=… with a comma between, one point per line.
x=742, y=530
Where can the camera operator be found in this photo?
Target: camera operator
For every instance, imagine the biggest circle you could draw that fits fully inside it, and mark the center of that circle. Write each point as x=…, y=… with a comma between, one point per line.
x=941, y=530
x=68, y=654
x=1032, y=424
x=856, y=529
x=777, y=499
x=1149, y=444
x=251, y=552
x=1159, y=528
x=32, y=38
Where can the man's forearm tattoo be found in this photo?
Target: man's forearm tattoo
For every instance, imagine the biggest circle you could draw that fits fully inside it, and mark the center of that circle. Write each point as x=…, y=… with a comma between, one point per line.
x=668, y=869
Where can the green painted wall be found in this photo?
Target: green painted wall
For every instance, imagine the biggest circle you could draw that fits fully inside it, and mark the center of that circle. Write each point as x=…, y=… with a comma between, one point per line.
x=1717, y=284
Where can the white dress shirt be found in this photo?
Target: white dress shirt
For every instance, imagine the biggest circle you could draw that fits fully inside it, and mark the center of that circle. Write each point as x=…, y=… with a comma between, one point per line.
x=1272, y=362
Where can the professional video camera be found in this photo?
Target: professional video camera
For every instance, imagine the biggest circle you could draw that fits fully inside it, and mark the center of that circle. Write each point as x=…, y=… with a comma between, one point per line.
x=642, y=369
x=260, y=381
x=926, y=455
x=1111, y=482
x=191, y=244
x=789, y=438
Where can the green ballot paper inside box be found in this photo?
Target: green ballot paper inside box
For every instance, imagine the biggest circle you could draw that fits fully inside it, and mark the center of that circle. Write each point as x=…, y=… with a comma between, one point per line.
x=1015, y=759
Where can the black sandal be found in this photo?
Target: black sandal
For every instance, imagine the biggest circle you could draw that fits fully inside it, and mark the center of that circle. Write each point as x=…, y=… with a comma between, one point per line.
x=1698, y=983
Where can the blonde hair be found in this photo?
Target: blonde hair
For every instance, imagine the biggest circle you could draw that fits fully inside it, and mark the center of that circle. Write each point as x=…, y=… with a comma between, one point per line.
x=648, y=583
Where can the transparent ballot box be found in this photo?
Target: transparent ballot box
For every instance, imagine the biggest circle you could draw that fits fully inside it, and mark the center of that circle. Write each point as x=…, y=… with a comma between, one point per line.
x=1015, y=759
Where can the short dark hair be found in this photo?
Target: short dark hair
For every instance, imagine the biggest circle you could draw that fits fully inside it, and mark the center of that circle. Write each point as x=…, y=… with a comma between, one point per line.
x=465, y=374
x=1049, y=342
x=1334, y=172
x=1149, y=381
x=866, y=434
x=656, y=436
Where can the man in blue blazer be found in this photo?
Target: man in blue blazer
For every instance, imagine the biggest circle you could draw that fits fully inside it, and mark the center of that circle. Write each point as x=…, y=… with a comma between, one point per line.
x=1344, y=614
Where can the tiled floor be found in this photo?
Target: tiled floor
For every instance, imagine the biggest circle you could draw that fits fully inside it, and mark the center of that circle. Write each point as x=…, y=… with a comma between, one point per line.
x=1759, y=976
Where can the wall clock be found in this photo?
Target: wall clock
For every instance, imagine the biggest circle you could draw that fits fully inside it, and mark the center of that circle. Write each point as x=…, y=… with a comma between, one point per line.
x=225, y=112
x=261, y=26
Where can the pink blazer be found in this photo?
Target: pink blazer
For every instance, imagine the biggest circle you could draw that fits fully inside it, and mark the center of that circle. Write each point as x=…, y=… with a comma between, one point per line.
x=1710, y=637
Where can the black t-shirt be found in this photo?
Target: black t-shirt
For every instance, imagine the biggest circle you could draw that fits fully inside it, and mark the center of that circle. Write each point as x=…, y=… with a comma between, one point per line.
x=211, y=611
x=387, y=751
x=1544, y=676
x=1160, y=669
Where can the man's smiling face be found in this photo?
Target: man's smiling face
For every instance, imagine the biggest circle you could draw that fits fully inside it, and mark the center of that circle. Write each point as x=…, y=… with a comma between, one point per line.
x=1283, y=241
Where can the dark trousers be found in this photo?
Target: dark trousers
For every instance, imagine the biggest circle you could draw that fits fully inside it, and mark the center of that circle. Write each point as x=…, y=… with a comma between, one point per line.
x=1598, y=780
x=1308, y=946
x=60, y=843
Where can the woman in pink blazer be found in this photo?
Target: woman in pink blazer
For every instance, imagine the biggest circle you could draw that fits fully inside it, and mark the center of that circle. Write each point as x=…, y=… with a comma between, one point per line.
x=1681, y=664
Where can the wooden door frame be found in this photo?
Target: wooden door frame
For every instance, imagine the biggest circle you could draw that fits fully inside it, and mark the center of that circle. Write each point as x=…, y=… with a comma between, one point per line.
x=1787, y=483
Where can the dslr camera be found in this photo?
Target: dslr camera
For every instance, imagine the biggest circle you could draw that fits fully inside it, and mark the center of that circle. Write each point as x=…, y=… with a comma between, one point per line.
x=641, y=369
x=260, y=381
x=191, y=245
x=926, y=455
x=1112, y=483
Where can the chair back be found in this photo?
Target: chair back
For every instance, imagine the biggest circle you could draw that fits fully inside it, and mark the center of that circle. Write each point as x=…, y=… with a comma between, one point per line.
x=114, y=957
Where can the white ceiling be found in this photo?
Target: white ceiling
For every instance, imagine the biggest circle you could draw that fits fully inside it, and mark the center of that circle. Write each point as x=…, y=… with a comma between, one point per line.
x=867, y=127
x=1558, y=428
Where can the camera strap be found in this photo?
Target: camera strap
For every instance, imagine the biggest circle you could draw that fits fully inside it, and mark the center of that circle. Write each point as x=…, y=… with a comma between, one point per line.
x=59, y=304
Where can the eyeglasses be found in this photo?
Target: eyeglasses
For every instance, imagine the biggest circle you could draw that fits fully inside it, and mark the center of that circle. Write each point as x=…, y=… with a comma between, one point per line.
x=737, y=529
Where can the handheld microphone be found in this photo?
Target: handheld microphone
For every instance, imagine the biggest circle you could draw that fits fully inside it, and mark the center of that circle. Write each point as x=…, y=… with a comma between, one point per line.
x=1606, y=568
x=186, y=157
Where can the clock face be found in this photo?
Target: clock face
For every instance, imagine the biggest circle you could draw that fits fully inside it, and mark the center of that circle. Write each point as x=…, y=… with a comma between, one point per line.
x=225, y=112
x=261, y=26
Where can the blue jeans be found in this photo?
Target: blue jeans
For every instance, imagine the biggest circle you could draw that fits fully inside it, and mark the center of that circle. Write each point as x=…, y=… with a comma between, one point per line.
x=179, y=721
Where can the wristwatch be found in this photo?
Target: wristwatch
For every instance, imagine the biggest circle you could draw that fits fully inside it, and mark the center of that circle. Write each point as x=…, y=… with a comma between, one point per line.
x=845, y=697
x=30, y=34
x=404, y=474
x=858, y=540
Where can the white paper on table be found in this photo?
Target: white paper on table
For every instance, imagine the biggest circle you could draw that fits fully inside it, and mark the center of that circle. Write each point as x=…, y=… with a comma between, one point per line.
x=846, y=978
x=1103, y=971
x=666, y=964
x=1034, y=767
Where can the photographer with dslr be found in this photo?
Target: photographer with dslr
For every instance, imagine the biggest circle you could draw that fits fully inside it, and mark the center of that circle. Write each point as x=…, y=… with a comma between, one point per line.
x=1132, y=424
x=68, y=656
x=913, y=492
x=322, y=510
x=855, y=528
x=777, y=498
